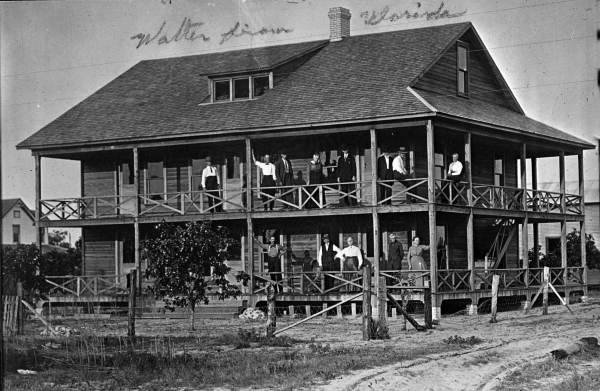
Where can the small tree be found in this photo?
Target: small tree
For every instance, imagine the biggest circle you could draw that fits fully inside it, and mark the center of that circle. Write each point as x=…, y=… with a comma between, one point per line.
x=58, y=238
x=592, y=257
x=181, y=259
x=22, y=263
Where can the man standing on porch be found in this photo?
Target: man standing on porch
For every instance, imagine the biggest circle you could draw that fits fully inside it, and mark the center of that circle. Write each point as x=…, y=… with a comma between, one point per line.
x=326, y=259
x=210, y=184
x=352, y=260
x=394, y=261
x=385, y=173
x=455, y=169
x=285, y=175
x=346, y=172
x=269, y=176
x=274, y=252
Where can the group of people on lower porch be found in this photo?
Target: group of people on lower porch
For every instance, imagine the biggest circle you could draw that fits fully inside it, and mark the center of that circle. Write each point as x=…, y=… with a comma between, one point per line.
x=332, y=261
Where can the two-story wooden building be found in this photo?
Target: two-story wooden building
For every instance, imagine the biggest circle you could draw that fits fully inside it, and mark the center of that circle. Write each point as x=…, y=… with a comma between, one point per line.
x=422, y=93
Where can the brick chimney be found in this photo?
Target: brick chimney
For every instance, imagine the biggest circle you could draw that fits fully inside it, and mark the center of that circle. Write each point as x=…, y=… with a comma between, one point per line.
x=339, y=23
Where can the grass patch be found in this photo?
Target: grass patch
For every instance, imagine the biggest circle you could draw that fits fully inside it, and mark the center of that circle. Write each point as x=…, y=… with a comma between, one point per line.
x=462, y=341
x=163, y=365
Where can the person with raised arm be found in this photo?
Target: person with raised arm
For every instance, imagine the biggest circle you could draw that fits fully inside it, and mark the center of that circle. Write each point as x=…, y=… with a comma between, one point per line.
x=268, y=182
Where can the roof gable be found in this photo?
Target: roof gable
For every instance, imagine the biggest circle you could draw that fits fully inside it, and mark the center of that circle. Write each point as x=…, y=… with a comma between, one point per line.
x=485, y=80
x=11, y=203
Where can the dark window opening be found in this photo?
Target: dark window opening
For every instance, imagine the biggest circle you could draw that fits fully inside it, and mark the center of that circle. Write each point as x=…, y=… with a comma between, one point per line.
x=16, y=231
x=17, y=214
x=260, y=85
x=127, y=173
x=438, y=166
x=462, y=60
x=241, y=88
x=128, y=246
x=222, y=91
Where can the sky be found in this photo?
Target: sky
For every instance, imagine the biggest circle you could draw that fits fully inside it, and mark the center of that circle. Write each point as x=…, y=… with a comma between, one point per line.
x=56, y=53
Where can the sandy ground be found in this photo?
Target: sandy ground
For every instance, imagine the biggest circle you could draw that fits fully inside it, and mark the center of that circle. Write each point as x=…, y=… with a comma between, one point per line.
x=515, y=340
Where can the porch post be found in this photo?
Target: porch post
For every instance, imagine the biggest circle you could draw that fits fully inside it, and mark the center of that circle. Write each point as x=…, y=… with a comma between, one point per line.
x=582, y=222
x=470, y=245
x=431, y=213
x=376, y=250
x=136, y=224
x=38, y=199
x=563, y=222
x=524, y=232
x=536, y=228
x=249, y=227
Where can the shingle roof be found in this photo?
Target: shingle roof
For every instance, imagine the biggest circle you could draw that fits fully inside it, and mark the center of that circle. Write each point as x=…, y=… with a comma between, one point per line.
x=362, y=77
x=484, y=112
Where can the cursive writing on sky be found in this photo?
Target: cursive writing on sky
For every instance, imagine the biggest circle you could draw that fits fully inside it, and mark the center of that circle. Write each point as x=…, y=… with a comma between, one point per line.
x=190, y=31
x=375, y=17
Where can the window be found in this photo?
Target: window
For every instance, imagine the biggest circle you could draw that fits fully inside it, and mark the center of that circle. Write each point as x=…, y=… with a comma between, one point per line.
x=16, y=231
x=462, y=75
x=260, y=85
x=127, y=173
x=438, y=166
x=498, y=171
x=17, y=214
x=222, y=90
x=241, y=88
x=155, y=181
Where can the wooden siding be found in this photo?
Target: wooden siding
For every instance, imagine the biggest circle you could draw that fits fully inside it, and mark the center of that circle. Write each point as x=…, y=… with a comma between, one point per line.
x=98, y=177
x=483, y=84
x=99, y=250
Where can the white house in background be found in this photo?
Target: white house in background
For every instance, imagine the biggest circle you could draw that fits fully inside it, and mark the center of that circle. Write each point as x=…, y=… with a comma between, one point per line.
x=18, y=223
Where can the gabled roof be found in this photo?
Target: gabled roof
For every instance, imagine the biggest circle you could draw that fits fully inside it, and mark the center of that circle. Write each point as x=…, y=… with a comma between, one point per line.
x=360, y=78
x=10, y=203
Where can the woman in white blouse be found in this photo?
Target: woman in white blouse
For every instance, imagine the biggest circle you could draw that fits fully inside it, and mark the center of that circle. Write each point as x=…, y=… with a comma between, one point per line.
x=268, y=182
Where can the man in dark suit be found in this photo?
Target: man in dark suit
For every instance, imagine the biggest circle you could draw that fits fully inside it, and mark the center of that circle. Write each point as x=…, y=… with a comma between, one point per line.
x=385, y=173
x=346, y=172
x=394, y=261
x=285, y=175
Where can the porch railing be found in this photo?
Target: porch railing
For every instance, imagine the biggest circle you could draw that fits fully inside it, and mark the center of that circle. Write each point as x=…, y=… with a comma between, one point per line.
x=412, y=190
x=192, y=202
x=497, y=197
x=448, y=192
x=87, y=207
x=309, y=283
x=80, y=286
x=313, y=196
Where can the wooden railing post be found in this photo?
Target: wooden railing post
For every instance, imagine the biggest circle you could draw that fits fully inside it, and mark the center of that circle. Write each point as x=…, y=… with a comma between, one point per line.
x=20, y=318
x=131, y=305
x=366, y=304
x=582, y=222
x=427, y=305
x=271, y=316
x=545, y=290
x=382, y=301
x=495, y=283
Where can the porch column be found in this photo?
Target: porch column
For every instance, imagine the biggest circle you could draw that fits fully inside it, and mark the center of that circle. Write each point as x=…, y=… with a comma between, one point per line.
x=136, y=224
x=470, y=245
x=376, y=250
x=249, y=228
x=582, y=222
x=536, y=232
x=524, y=232
x=38, y=199
x=435, y=308
x=563, y=222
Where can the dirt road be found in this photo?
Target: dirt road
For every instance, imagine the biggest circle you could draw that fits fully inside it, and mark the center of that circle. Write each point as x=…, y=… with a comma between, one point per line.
x=508, y=345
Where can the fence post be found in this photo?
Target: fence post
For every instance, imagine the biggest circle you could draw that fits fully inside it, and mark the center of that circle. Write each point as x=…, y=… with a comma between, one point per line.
x=495, y=283
x=545, y=291
x=382, y=301
x=428, y=314
x=366, y=310
x=271, y=316
x=20, y=320
x=131, y=310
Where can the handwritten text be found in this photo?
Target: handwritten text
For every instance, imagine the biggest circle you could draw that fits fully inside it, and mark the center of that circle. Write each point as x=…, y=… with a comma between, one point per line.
x=386, y=15
x=187, y=31
x=240, y=30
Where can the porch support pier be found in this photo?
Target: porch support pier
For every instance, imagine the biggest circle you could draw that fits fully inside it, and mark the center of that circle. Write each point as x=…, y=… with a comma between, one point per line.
x=436, y=309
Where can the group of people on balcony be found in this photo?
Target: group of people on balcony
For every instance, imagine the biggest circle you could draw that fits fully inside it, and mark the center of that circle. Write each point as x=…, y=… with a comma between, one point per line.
x=347, y=262
x=279, y=176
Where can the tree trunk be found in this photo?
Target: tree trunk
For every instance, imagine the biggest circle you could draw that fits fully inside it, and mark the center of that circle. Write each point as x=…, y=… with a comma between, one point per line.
x=192, y=313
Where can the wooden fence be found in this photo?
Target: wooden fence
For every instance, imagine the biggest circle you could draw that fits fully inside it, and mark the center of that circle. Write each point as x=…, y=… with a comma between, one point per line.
x=12, y=315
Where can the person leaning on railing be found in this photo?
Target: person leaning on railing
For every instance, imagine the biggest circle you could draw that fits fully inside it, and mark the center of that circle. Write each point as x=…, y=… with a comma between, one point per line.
x=455, y=169
x=399, y=171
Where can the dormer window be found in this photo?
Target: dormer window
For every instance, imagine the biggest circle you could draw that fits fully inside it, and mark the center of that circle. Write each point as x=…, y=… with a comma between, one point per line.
x=240, y=87
x=462, y=69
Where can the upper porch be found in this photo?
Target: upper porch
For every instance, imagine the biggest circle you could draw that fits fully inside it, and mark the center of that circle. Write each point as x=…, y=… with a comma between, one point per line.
x=164, y=182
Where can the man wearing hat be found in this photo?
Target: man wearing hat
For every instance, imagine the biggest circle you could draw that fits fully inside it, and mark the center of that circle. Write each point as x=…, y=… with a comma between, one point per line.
x=385, y=173
x=399, y=171
x=326, y=259
x=285, y=175
x=395, y=256
x=346, y=172
x=210, y=184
